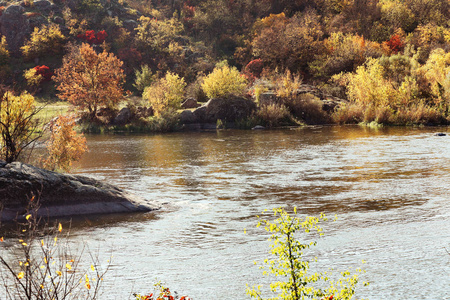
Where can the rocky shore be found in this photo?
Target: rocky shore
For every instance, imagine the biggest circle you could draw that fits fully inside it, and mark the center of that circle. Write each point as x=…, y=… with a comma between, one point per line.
x=61, y=195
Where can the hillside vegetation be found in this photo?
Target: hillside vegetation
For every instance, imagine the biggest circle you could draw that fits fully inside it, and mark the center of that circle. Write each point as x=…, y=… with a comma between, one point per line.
x=388, y=58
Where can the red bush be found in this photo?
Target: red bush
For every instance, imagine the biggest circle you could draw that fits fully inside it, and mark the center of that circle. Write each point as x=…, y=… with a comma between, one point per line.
x=92, y=38
x=45, y=72
x=254, y=69
x=395, y=43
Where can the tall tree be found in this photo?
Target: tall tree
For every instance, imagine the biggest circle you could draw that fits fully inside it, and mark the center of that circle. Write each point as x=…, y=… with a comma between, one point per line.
x=89, y=79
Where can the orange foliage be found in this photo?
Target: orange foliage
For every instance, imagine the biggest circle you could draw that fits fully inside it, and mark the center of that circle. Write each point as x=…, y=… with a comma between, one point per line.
x=395, y=43
x=64, y=146
x=90, y=80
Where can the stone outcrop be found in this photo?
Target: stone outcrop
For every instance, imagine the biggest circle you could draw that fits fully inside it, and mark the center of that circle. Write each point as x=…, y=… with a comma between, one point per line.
x=229, y=109
x=190, y=103
x=123, y=116
x=329, y=103
x=15, y=26
x=61, y=194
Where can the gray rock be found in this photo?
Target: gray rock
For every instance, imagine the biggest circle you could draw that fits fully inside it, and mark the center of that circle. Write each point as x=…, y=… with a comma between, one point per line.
x=200, y=114
x=42, y=4
x=58, y=20
x=61, y=194
x=258, y=127
x=130, y=25
x=15, y=26
x=229, y=109
x=187, y=117
x=14, y=10
x=123, y=117
x=190, y=103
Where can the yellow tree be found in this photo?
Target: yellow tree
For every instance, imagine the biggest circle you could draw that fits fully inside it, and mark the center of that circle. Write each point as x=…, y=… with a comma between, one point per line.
x=64, y=146
x=18, y=128
x=43, y=41
x=89, y=79
x=165, y=94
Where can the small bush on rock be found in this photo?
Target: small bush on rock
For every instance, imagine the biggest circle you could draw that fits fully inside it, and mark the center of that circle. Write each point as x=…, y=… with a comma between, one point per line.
x=224, y=81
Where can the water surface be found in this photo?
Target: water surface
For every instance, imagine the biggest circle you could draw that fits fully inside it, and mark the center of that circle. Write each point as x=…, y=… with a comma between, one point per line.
x=389, y=188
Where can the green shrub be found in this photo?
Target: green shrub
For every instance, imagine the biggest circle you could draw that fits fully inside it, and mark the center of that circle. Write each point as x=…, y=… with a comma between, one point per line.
x=167, y=121
x=224, y=81
x=144, y=78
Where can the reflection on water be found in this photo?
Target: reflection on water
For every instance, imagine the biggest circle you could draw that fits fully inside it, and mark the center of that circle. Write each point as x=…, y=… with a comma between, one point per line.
x=388, y=186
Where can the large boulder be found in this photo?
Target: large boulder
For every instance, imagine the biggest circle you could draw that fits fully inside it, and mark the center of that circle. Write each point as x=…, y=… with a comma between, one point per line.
x=229, y=109
x=15, y=26
x=187, y=117
x=123, y=117
x=61, y=194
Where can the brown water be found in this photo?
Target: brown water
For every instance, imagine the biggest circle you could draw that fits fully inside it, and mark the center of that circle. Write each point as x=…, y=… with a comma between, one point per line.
x=389, y=188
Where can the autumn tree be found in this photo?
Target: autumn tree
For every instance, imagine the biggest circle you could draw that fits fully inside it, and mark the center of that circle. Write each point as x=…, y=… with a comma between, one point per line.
x=18, y=127
x=288, y=42
x=89, y=79
x=65, y=146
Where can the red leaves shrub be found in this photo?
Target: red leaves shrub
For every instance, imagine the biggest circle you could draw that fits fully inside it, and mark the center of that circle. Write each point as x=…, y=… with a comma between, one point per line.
x=92, y=38
x=254, y=69
x=395, y=43
x=45, y=72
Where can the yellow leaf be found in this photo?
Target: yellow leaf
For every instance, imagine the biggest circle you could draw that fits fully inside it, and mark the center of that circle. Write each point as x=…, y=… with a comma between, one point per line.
x=88, y=285
x=42, y=243
x=28, y=217
x=20, y=275
x=59, y=227
x=69, y=267
x=24, y=244
x=92, y=268
x=59, y=273
x=1, y=239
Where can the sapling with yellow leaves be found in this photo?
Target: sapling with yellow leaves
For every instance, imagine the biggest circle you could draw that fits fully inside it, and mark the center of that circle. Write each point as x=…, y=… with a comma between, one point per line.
x=293, y=268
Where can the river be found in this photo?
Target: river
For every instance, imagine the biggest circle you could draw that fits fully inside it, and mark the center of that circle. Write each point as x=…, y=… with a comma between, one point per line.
x=388, y=188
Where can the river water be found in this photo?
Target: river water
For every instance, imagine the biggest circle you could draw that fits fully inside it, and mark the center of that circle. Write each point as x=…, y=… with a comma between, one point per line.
x=388, y=187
